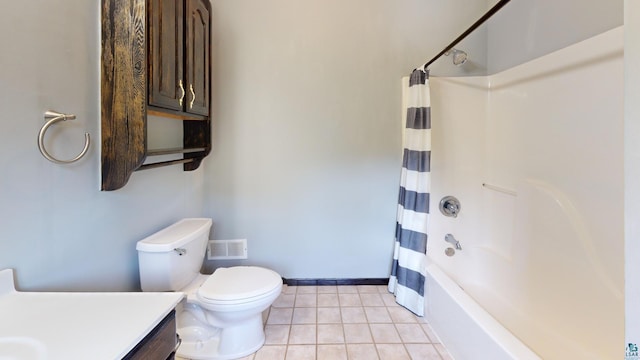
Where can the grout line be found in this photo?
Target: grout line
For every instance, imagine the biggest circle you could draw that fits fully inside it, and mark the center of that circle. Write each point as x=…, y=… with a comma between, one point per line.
x=345, y=344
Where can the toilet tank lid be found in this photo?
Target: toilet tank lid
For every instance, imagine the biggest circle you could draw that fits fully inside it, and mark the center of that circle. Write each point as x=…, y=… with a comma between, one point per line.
x=175, y=235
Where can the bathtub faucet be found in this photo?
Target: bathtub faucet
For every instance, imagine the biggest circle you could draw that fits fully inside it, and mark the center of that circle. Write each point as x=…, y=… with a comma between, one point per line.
x=450, y=239
x=449, y=206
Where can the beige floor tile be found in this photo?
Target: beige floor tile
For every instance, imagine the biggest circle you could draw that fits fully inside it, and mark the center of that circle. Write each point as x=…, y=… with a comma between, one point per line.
x=371, y=299
x=280, y=316
x=284, y=301
x=384, y=333
x=289, y=289
x=401, y=315
x=377, y=314
x=329, y=315
x=345, y=322
x=389, y=300
x=347, y=289
x=332, y=352
x=276, y=334
x=362, y=352
x=271, y=352
x=301, y=352
x=367, y=289
x=383, y=289
x=422, y=352
x=326, y=300
x=307, y=289
x=330, y=334
x=351, y=315
x=357, y=334
x=432, y=335
x=306, y=300
x=421, y=319
x=349, y=300
x=304, y=315
x=302, y=334
x=412, y=333
x=392, y=352
x=327, y=289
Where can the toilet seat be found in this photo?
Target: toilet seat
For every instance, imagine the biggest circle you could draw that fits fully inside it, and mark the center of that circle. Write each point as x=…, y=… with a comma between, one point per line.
x=238, y=284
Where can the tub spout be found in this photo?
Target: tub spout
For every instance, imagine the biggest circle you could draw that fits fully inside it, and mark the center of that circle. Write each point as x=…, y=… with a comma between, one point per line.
x=450, y=239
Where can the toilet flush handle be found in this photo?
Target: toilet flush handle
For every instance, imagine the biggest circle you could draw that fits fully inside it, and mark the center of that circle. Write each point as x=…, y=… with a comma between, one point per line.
x=180, y=251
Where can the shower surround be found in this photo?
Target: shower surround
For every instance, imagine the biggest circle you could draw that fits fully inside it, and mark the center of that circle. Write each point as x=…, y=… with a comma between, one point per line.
x=545, y=256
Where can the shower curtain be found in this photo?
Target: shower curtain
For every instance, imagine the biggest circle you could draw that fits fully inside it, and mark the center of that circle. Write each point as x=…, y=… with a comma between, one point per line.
x=409, y=269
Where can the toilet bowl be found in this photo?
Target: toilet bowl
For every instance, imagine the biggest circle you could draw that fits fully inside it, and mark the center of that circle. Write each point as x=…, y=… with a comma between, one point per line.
x=222, y=315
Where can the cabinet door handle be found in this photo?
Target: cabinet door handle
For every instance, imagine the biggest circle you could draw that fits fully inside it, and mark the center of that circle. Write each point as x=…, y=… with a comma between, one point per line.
x=193, y=96
x=178, y=342
x=183, y=93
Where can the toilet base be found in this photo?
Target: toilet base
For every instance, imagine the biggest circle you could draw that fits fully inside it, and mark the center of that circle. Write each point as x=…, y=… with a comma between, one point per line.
x=202, y=342
x=207, y=350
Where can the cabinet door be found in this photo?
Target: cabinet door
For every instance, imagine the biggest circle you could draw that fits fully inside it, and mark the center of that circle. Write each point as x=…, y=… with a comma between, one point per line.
x=167, y=87
x=198, y=56
x=159, y=343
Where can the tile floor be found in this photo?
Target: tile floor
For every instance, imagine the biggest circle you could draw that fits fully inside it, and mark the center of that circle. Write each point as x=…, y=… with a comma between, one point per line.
x=345, y=322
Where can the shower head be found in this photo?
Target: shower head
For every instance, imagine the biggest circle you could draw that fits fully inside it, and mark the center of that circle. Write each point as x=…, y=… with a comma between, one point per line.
x=459, y=56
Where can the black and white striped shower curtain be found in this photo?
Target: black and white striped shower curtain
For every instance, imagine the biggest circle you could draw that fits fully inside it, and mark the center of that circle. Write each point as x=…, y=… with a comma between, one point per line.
x=408, y=270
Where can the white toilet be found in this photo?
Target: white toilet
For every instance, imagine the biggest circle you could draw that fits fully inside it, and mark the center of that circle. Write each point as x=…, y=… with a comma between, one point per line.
x=222, y=316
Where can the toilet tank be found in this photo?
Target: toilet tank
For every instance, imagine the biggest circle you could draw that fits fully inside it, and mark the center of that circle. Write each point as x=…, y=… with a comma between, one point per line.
x=171, y=258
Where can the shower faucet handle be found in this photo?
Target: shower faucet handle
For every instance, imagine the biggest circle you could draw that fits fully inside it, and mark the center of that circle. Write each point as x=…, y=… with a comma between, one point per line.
x=453, y=208
x=450, y=206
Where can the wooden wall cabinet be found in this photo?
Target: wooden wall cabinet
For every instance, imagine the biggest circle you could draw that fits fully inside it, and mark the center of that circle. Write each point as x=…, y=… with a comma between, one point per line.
x=156, y=59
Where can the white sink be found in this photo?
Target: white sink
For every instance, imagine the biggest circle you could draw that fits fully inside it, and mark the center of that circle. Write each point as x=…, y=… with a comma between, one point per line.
x=76, y=325
x=21, y=348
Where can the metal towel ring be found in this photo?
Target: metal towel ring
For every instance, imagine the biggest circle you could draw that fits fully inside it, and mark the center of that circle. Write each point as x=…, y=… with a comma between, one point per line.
x=54, y=117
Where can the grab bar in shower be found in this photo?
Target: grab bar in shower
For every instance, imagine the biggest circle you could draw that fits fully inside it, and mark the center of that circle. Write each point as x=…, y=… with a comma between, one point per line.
x=500, y=189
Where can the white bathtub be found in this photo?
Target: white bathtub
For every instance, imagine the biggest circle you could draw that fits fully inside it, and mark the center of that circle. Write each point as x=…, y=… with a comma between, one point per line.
x=464, y=327
x=544, y=257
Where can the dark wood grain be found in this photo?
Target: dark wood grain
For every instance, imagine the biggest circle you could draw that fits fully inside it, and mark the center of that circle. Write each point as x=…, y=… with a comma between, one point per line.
x=123, y=71
x=144, y=46
x=198, y=56
x=196, y=134
x=166, y=53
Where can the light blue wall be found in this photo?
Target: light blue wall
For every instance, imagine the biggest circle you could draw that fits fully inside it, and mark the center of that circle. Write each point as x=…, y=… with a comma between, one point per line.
x=57, y=229
x=525, y=30
x=307, y=131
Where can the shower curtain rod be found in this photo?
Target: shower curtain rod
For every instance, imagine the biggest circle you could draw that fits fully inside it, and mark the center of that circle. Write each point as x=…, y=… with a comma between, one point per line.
x=475, y=25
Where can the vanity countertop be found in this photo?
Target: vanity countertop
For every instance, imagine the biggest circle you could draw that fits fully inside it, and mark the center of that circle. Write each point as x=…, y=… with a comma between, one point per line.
x=59, y=325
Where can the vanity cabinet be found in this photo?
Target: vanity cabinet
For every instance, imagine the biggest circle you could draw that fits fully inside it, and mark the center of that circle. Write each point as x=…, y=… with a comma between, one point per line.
x=160, y=343
x=156, y=60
